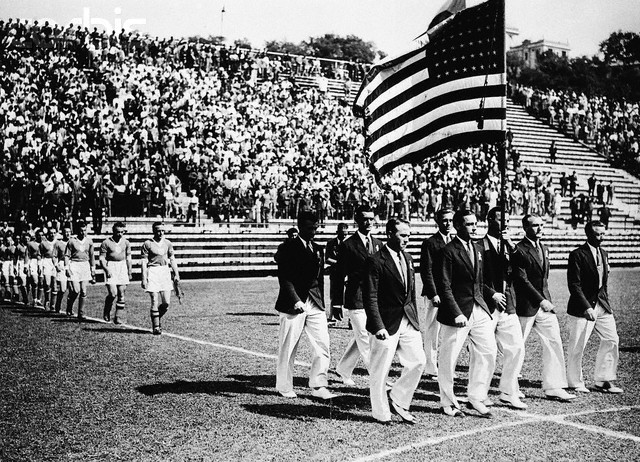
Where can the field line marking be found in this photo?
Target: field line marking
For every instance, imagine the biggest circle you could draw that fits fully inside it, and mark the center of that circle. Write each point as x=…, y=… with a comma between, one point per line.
x=441, y=439
x=528, y=418
x=204, y=342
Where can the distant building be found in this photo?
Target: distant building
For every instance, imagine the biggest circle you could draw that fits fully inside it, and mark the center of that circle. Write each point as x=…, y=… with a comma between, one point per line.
x=530, y=51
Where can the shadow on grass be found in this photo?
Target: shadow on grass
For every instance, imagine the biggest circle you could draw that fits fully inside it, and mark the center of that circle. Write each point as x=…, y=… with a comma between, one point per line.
x=630, y=349
x=120, y=330
x=253, y=313
x=74, y=319
x=269, y=323
x=305, y=412
x=239, y=384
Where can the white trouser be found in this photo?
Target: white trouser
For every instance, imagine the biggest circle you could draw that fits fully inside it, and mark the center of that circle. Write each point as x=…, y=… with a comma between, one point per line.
x=607, y=357
x=358, y=346
x=511, y=344
x=482, y=347
x=314, y=323
x=545, y=324
x=407, y=342
x=430, y=334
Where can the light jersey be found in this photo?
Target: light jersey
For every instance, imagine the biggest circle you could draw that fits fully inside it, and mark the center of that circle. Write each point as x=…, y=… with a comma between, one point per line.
x=3, y=252
x=78, y=250
x=21, y=252
x=46, y=248
x=157, y=253
x=33, y=250
x=58, y=249
x=115, y=251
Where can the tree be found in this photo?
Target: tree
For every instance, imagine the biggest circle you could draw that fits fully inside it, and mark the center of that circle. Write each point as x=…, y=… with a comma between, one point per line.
x=242, y=43
x=285, y=47
x=336, y=47
x=621, y=47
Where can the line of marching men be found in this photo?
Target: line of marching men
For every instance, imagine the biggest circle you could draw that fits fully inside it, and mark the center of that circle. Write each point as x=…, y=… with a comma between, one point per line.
x=491, y=292
x=36, y=270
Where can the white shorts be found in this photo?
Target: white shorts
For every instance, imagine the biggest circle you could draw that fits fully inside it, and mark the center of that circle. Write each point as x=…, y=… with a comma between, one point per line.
x=61, y=276
x=80, y=271
x=119, y=273
x=159, y=279
x=7, y=270
x=20, y=269
x=32, y=269
x=48, y=268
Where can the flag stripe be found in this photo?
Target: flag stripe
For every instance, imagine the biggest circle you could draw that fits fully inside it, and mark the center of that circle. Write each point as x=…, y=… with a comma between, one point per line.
x=426, y=90
x=423, y=132
x=418, y=118
x=438, y=148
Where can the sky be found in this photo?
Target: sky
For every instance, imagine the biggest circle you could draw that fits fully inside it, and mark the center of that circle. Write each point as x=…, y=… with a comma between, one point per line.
x=390, y=24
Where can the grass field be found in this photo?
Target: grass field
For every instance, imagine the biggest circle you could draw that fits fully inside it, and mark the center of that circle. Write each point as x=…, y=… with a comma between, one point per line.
x=205, y=390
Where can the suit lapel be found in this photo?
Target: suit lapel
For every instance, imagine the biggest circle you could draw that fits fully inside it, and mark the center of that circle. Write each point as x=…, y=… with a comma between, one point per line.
x=535, y=255
x=391, y=265
x=464, y=255
x=362, y=250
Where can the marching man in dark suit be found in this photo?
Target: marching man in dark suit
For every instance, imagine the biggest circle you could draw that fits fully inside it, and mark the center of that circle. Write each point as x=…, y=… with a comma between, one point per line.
x=498, y=275
x=589, y=308
x=534, y=307
x=389, y=299
x=335, y=285
x=301, y=306
x=352, y=256
x=430, y=272
x=464, y=314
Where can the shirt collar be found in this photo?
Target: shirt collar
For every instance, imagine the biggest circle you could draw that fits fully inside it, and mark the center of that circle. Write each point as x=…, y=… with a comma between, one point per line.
x=445, y=238
x=535, y=246
x=465, y=244
x=594, y=250
x=494, y=241
x=363, y=238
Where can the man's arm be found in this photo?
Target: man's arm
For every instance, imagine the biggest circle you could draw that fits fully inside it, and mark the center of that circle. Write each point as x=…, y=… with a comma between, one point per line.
x=448, y=300
x=370, y=296
x=574, y=282
x=286, y=270
x=426, y=270
x=521, y=279
x=103, y=259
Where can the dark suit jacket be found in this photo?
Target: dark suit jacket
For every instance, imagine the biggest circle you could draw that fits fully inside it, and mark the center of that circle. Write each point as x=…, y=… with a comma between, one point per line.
x=299, y=275
x=582, y=277
x=385, y=298
x=461, y=285
x=352, y=256
x=498, y=274
x=531, y=277
x=431, y=264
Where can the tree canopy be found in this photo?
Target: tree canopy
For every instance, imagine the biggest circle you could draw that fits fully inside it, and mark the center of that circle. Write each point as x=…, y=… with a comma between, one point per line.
x=329, y=46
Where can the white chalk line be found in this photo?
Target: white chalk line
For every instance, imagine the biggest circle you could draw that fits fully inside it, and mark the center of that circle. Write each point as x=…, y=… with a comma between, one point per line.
x=528, y=418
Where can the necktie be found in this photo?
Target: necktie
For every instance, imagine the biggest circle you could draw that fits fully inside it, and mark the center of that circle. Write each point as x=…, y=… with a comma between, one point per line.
x=310, y=246
x=599, y=267
x=403, y=269
x=471, y=253
x=540, y=254
x=369, y=245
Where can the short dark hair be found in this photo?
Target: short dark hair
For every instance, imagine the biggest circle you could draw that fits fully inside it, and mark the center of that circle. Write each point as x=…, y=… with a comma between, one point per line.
x=458, y=217
x=156, y=224
x=526, y=218
x=361, y=210
x=441, y=213
x=118, y=224
x=342, y=226
x=491, y=214
x=393, y=223
x=292, y=231
x=80, y=224
x=306, y=215
x=588, y=228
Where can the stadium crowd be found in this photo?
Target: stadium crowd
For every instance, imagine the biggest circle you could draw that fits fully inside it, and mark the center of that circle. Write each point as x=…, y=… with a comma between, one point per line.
x=611, y=126
x=122, y=125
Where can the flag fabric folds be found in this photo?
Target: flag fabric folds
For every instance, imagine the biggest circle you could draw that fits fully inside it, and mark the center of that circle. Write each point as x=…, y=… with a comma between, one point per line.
x=448, y=94
x=447, y=10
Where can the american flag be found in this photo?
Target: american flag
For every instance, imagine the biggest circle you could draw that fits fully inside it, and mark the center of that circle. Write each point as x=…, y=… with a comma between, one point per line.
x=448, y=94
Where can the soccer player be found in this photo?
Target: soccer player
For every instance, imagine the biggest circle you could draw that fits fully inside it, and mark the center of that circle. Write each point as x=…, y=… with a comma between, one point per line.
x=47, y=292
x=33, y=267
x=157, y=263
x=79, y=260
x=115, y=260
x=7, y=252
x=20, y=266
x=61, y=268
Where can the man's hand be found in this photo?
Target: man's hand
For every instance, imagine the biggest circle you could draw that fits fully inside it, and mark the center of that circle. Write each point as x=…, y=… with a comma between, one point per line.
x=336, y=312
x=436, y=300
x=501, y=300
x=546, y=305
x=461, y=320
x=590, y=314
x=298, y=307
x=107, y=273
x=143, y=281
x=382, y=334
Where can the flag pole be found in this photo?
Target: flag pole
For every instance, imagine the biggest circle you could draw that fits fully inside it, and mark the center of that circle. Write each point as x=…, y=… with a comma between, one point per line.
x=502, y=147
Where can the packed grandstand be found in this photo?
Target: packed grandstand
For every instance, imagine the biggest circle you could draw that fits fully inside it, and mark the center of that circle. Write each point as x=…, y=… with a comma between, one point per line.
x=127, y=125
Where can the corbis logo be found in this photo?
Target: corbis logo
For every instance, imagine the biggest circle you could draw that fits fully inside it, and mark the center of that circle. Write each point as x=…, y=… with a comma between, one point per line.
x=117, y=24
